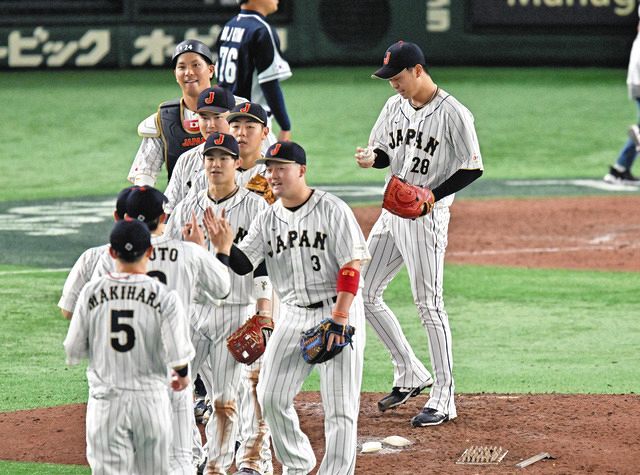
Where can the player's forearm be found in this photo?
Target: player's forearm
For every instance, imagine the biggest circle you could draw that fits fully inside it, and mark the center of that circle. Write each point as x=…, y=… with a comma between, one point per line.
x=456, y=182
x=347, y=287
x=275, y=99
x=148, y=162
x=236, y=260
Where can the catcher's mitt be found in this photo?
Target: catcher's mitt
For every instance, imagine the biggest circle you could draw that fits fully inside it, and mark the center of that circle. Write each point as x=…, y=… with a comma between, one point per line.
x=313, y=342
x=406, y=200
x=249, y=341
x=258, y=184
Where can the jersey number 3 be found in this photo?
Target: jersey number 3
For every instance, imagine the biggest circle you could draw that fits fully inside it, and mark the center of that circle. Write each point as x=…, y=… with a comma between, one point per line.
x=227, y=69
x=119, y=324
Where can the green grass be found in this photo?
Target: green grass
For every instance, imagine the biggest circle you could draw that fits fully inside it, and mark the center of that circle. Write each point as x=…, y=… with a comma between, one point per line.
x=21, y=468
x=78, y=134
x=514, y=330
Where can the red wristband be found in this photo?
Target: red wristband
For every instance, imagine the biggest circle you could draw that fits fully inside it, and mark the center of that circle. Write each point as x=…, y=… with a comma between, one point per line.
x=348, y=280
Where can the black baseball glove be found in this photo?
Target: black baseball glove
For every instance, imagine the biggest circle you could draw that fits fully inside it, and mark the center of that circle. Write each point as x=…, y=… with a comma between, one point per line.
x=313, y=342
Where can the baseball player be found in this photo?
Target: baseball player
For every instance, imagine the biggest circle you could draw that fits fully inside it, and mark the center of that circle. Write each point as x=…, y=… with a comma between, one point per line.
x=214, y=104
x=308, y=239
x=250, y=62
x=174, y=128
x=131, y=327
x=198, y=277
x=248, y=296
x=426, y=137
x=248, y=124
x=620, y=172
x=84, y=267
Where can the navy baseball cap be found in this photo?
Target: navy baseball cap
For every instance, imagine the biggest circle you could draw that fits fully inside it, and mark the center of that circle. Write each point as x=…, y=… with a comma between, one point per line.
x=192, y=46
x=216, y=99
x=285, y=152
x=398, y=57
x=250, y=110
x=130, y=239
x=145, y=204
x=121, y=201
x=226, y=142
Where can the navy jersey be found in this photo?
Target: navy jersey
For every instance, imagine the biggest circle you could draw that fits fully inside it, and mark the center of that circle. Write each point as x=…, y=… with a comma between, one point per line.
x=249, y=55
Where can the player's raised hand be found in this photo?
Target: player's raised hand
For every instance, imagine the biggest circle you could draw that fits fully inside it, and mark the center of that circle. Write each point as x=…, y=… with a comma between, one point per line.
x=219, y=230
x=179, y=383
x=192, y=232
x=284, y=136
x=365, y=157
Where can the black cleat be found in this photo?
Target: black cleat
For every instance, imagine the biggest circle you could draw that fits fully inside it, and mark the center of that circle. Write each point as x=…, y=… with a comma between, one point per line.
x=429, y=417
x=399, y=396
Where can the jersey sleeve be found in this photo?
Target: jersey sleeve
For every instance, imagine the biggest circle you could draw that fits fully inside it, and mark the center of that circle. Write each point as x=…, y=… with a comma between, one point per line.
x=79, y=275
x=147, y=162
x=176, y=189
x=174, y=328
x=350, y=244
x=253, y=244
x=213, y=281
x=269, y=62
x=76, y=343
x=464, y=141
x=379, y=133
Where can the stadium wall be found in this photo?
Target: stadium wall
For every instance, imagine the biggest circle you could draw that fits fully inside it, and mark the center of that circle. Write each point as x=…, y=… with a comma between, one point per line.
x=143, y=33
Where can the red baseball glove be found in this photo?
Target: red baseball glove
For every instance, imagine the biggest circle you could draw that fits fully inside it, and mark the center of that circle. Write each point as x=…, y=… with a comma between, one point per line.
x=406, y=200
x=248, y=342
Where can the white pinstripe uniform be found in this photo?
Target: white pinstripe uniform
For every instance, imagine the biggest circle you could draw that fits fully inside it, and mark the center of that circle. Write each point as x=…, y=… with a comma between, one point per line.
x=304, y=251
x=216, y=323
x=189, y=177
x=198, y=277
x=79, y=275
x=425, y=146
x=130, y=327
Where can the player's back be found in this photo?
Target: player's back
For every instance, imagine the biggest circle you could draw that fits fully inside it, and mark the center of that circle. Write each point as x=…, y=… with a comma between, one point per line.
x=125, y=318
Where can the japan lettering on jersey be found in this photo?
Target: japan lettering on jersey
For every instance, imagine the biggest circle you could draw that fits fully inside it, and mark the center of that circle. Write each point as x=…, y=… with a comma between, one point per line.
x=428, y=145
x=240, y=210
x=249, y=55
x=305, y=249
x=131, y=327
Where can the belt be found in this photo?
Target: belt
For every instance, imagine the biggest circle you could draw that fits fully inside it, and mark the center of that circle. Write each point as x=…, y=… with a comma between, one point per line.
x=318, y=304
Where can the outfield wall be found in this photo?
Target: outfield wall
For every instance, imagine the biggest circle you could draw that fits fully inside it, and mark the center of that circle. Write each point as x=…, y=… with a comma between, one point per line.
x=143, y=33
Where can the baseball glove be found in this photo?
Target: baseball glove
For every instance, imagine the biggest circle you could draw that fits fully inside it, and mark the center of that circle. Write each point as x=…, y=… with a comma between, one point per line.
x=258, y=184
x=249, y=341
x=313, y=342
x=406, y=200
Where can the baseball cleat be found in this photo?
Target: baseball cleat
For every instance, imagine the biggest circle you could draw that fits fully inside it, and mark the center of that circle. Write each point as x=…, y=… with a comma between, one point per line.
x=429, y=417
x=399, y=396
x=617, y=177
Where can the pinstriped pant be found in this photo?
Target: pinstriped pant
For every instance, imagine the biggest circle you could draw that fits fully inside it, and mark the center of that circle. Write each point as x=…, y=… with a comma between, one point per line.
x=183, y=421
x=283, y=373
x=420, y=245
x=129, y=432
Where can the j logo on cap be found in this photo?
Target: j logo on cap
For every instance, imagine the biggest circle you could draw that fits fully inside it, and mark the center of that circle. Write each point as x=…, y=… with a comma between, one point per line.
x=209, y=100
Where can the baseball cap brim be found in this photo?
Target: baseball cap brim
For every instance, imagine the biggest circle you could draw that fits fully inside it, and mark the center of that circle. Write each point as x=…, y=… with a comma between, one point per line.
x=230, y=152
x=236, y=115
x=275, y=159
x=213, y=109
x=387, y=72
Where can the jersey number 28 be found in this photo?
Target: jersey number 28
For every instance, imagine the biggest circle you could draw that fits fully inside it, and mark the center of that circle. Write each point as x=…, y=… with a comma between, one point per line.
x=120, y=323
x=227, y=69
x=420, y=166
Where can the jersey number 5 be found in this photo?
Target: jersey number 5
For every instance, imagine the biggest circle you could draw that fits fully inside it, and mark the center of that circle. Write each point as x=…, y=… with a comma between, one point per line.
x=226, y=68
x=420, y=166
x=118, y=326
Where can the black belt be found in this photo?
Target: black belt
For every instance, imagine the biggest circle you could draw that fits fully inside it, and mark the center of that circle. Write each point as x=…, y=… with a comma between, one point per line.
x=318, y=304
